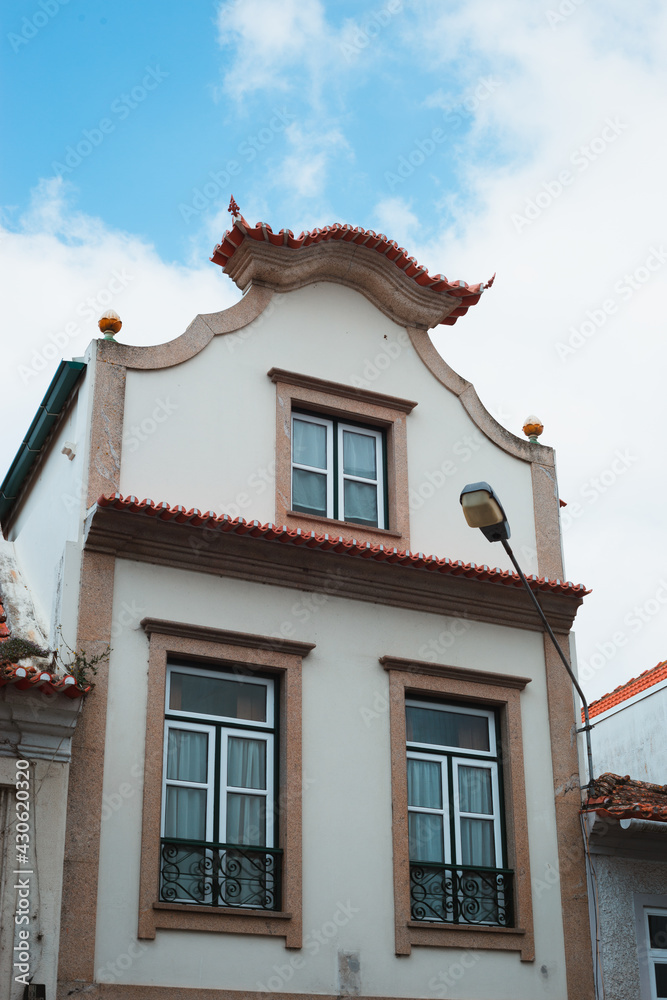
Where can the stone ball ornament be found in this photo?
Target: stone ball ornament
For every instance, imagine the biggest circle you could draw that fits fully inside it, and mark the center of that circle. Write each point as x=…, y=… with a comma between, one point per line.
x=532, y=428
x=109, y=324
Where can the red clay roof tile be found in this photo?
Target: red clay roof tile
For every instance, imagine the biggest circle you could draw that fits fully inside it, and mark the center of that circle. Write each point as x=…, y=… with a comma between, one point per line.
x=628, y=690
x=28, y=677
x=262, y=232
x=332, y=543
x=624, y=798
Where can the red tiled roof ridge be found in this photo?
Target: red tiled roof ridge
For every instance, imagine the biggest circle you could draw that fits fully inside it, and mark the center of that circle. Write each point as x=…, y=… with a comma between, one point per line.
x=368, y=238
x=335, y=543
x=629, y=689
x=622, y=797
x=25, y=676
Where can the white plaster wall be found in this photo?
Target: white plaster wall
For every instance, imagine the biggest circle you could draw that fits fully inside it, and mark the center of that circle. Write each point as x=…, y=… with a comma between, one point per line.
x=630, y=739
x=52, y=513
x=202, y=433
x=48, y=800
x=618, y=880
x=347, y=851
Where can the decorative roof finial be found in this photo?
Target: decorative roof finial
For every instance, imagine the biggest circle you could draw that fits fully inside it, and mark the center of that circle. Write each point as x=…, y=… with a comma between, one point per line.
x=109, y=324
x=233, y=207
x=532, y=428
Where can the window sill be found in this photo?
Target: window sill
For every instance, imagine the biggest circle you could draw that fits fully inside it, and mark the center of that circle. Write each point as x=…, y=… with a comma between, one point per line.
x=227, y=911
x=470, y=936
x=440, y=925
x=344, y=528
x=218, y=919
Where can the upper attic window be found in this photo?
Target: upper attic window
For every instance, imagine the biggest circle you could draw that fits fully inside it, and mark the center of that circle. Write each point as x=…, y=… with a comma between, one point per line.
x=341, y=459
x=338, y=470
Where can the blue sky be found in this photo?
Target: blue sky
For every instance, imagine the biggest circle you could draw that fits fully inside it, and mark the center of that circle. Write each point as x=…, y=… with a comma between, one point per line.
x=523, y=138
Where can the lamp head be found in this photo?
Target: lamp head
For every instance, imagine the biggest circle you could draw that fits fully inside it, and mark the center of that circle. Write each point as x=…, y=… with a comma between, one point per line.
x=482, y=509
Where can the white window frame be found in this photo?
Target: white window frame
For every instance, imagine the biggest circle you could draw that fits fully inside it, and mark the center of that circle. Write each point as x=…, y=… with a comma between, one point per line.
x=336, y=478
x=378, y=482
x=225, y=787
x=175, y=667
x=167, y=782
x=494, y=817
x=475, y=758
x=227, y=727
x=654, y=956
x=329, y=471
x=444, y=812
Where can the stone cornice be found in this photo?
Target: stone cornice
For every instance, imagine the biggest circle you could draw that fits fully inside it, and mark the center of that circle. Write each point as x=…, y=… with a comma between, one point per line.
x=205, y=634
x=182, y=546
x=375, y=276
x=454, y=673
x=339, y=389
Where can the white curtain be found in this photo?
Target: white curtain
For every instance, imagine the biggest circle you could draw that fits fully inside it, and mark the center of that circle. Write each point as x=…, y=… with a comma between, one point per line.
x=309, y=444
x=361, y=502
x=187, y=760
x=186, y=755
x=309, y=491
x=246, y=768
x=478, y=843
x=425, y=830
x=185, y=813
x=359, y=455
x=424, y=784
x=477, y=835
x=425, y=834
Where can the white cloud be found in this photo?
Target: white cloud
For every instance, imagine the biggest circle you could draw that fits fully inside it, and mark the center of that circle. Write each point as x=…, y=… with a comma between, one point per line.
x=269, y=39
x=61, y=270
x=397, y=221
x=569, y=102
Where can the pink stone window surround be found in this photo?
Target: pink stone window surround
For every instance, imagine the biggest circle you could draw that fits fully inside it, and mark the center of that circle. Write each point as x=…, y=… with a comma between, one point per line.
x=361, y=408
x=226, y=651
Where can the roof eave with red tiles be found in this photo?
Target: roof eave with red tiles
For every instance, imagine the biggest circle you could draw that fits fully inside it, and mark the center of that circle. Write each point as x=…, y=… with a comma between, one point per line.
x=369, y=240
x=332, y=543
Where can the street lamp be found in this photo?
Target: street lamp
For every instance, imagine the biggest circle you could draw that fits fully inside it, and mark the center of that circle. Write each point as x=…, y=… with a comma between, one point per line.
x=482, y=509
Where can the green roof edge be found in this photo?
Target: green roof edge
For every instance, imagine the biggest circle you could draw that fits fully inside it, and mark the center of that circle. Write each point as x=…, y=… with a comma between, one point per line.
x=59, y=391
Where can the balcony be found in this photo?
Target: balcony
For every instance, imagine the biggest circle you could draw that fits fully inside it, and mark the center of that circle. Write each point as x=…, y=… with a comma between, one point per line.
x=220, y=874
x=455, y=895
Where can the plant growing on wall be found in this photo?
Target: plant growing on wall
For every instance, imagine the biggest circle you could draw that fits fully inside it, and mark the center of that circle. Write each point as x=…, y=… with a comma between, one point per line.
x=77, y=663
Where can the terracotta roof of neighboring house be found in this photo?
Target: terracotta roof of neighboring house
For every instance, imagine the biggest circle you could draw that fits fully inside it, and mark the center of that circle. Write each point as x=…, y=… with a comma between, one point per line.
x=28, y=676
x=624, y=798
x=326, y=542
x=628, y=690
x=262, y=232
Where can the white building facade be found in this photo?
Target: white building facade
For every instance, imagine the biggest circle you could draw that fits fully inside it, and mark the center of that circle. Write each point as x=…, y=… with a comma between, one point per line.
x=321, y=761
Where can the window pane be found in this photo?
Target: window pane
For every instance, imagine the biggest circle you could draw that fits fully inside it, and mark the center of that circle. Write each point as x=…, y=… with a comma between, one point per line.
x=187, y=754
x=478, y=842
x=216, y=695
x=359, y=455
x=660, y=979
x=246, y=819
x=448, y=729
x=425, y=833
x=475, y=790
x=657, y=929
x=361, y=502
x=246, y=764
x=309, y=444
x=185, y=813
x=309, y=492
x=424, y=784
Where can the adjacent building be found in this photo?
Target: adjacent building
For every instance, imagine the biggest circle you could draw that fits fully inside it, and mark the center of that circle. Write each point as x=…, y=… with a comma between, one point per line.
x=625, y=827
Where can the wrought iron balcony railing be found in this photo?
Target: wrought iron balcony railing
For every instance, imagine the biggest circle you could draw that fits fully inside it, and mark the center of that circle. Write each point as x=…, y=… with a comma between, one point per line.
x=456, y=895
x=220, y=874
